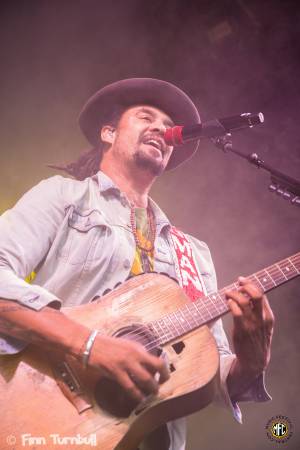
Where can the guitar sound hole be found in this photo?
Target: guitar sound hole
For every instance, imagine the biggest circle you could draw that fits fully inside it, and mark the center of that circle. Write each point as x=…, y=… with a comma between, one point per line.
x=109, y=395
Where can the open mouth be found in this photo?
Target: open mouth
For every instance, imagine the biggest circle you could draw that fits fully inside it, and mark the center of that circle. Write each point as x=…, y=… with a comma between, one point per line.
x=154, y=143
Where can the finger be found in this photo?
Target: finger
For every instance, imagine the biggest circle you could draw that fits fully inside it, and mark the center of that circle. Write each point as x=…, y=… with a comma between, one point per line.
x=234, y=308
x=155, y=364
x=243, y=280
x=252, y=290
x=144, y=379
x=269, y=316
x=130, y=387
x=239, y=298
x=255, y=294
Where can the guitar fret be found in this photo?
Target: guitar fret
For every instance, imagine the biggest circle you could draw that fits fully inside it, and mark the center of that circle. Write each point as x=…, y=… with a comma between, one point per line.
x=192, y=315
x=274, y=283
x=163, y=326
x=162, y=333
x=288, y=269
x=179, y=320
x=196, y=314
x=190, y=307
x=293, y=266
x=173, y=331
x=156, y=332
x=281, y=271
x=265, y=279
x=219, y=305
x=206, y=311
x=166, y=326
x=297, y=271
x=173, y=319
x=223, y=301
x=212, y=303
x=184, y=320
x=203, y=311
x=189, y=317
x=202, y=318
x=260, y=284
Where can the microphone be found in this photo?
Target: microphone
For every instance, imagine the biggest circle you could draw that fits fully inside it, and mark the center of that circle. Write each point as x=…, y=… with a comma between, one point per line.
x=213, y=128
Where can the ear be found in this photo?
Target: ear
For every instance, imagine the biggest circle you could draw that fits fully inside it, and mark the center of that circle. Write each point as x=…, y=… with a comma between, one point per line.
x=107, y=134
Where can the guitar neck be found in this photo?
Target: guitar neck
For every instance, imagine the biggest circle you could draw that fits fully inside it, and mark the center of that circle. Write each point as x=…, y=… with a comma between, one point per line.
x=208, y=308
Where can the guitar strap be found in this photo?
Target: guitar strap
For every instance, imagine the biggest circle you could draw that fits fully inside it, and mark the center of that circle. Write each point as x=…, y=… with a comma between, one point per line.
x=186, y=268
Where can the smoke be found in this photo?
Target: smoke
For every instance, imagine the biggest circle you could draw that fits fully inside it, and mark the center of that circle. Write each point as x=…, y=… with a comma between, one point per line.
x=230, y=57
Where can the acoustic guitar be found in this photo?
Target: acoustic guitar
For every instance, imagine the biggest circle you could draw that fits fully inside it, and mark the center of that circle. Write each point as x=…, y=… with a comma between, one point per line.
x=48, y=401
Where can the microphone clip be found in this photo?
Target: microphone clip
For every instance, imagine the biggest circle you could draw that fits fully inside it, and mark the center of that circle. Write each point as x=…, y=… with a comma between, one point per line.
x=223, y=142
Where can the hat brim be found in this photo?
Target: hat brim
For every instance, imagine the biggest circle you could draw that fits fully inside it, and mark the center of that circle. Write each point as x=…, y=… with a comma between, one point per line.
x=136, y=91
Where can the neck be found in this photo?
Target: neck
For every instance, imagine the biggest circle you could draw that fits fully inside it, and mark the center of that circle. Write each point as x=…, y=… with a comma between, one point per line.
x=135, y=183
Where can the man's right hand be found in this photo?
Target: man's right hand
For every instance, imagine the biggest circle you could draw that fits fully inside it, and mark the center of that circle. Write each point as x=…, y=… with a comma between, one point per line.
x=129, y=364
x=124, y=361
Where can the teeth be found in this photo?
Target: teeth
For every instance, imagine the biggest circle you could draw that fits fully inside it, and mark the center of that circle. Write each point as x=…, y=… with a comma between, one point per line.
x=153, y=142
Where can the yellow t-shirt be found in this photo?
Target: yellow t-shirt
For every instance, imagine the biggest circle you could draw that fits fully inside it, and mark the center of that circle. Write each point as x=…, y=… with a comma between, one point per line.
x=143, y=261
x=30, y=277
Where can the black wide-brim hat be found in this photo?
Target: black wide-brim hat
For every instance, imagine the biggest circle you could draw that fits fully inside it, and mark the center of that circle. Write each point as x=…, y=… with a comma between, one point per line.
x=140, y=91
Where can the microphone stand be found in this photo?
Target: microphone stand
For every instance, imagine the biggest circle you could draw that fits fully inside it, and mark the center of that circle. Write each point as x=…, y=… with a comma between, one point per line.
x=283, y=185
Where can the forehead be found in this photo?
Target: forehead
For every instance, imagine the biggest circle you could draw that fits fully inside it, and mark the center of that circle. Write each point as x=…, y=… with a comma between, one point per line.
x=152, y=111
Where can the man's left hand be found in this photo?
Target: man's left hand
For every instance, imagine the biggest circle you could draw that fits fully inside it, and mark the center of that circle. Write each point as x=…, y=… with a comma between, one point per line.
x=253, y=327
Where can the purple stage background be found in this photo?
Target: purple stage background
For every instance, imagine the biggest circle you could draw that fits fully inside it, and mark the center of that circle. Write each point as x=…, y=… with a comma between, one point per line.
x=231, y=57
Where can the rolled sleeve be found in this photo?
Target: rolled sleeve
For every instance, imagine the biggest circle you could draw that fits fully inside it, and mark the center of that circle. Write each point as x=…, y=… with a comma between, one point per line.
x=255, y=392
x=30, y=295
x=26, y=234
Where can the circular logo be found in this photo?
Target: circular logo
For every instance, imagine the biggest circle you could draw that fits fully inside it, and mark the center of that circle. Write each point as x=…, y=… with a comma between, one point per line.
x=279, y=429
x=11, y=439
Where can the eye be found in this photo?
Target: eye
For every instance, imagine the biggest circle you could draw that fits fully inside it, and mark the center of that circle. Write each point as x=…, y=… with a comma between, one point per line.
x=147, y=118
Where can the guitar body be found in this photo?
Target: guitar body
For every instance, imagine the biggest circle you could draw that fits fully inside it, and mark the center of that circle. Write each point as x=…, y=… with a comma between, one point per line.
x=35, y=401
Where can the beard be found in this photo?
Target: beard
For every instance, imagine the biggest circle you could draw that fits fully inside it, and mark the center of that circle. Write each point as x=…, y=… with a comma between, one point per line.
x=148, y=163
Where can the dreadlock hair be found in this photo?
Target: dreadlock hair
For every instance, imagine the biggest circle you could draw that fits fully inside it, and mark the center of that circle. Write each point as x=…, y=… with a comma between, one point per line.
x=89, y=161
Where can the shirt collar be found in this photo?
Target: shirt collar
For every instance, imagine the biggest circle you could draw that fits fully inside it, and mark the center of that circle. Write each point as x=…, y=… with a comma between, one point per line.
x=105, y=183
x=160, y=217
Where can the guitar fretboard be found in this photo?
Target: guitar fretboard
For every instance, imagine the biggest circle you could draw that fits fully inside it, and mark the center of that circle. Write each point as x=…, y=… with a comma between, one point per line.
x=212, y=306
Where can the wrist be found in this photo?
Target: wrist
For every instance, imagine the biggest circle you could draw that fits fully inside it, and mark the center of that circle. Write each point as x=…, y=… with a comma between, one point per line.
x=248, y=369
x=76, y=341
x=87, y=348
x=240, y=377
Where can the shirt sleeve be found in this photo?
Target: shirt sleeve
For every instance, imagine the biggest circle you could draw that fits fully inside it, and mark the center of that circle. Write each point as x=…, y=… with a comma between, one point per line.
x=256, y=391
x=26, y=234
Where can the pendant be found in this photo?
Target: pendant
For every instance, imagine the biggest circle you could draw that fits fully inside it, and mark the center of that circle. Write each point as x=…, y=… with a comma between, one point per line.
x=145, y=262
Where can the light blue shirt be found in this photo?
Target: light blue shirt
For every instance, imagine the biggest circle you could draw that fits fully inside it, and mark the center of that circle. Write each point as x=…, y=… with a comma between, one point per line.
x=77, y=237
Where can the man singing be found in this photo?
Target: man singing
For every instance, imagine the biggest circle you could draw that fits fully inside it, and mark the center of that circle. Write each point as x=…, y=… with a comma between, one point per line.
x=78, y=238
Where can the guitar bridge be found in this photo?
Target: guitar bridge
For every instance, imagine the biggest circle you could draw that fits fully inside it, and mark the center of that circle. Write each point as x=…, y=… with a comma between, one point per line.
x=71, y=386
x=68, y=377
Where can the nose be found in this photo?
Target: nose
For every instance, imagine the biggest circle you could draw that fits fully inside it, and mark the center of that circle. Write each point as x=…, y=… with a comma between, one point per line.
x=158, y=126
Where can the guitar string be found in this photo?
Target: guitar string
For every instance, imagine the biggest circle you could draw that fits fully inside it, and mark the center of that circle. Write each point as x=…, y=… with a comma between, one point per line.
x=254, y=278
x=152, y=344
x=139, y=332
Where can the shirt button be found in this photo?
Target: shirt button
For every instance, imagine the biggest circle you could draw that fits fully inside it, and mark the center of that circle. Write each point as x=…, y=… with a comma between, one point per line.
x=33, y=299
x=126, y=264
